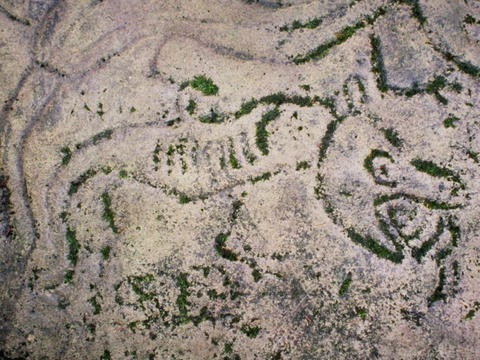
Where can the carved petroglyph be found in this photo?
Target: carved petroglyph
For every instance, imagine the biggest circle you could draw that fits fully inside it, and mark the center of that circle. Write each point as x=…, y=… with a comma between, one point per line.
x=239, y=179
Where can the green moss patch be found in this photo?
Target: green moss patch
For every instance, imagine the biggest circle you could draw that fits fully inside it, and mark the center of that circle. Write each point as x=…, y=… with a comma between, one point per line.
x=250, y=331
x=263, y=177
x=323, y=49
x=182, y=298
x=368, y=165
x=473, y=311
x=106, y=134
x=156, y=155
x=68, y=277
x=73, y=245
x=106, y=355
x=419, y=252
x=345, y=285
x=191, y=107
x=173, y=122
x=392, y=137
x=184, y=199
x=105, y=252
x=450, y=121
x=96, y=306
x=212, y=118
x=108, y=214
x=438, y=293
x=67, y=155
x=428, y=203
x=201, y=83
x=75, y=185
x=261, y=133
x=246, y=108
x=375, y=153
x=303, y=165
x=139, y=284
x=432, y=169
x=343, y=35
x=374, y=247
x=234, y=163
x=296, y=24
x=222, y=250
x=378, y=66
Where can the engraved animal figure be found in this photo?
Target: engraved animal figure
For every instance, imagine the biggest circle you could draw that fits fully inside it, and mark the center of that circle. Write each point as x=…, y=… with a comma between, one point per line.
x=389, y=199
x=203, y=161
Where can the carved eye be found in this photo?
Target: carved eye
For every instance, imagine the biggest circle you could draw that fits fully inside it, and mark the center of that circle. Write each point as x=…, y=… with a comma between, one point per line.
x=377, y=164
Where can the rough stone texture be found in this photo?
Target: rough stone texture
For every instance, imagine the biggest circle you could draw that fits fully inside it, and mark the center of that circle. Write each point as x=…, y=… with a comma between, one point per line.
x=336, y=217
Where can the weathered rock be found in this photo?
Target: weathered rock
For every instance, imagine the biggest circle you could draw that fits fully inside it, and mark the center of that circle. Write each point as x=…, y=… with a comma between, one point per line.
x=239, y=179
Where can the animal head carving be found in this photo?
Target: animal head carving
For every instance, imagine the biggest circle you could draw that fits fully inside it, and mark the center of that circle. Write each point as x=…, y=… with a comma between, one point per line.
x=392, y=196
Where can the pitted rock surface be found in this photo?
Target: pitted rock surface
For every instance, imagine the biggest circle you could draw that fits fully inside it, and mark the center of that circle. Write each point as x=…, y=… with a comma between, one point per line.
x=294, y=179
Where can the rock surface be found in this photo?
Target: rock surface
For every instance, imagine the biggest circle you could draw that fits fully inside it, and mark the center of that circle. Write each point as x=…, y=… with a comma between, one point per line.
x=199, y=179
